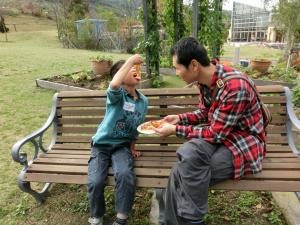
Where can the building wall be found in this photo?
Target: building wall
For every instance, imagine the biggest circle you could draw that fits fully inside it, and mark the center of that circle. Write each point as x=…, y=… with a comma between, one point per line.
x=248, y=23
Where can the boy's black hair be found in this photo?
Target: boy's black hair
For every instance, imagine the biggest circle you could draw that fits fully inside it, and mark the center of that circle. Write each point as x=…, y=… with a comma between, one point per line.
x=187, y=49
x=114, y=69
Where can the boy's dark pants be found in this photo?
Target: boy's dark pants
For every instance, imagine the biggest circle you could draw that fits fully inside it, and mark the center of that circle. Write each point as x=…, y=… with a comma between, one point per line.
x=200, y=164
x=122, y=163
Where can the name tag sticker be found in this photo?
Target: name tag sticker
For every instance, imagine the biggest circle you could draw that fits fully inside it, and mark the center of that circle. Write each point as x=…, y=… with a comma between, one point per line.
x=129, y=106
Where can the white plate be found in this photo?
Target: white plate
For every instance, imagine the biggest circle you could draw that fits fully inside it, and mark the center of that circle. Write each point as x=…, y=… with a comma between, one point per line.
x=139, y=129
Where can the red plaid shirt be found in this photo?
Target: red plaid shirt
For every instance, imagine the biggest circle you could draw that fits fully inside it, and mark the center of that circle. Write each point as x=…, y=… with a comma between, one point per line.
x=233, y=119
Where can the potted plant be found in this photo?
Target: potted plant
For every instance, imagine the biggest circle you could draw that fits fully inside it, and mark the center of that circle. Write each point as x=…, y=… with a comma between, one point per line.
x=101, y=65
x=296, y=63
x=261, y=65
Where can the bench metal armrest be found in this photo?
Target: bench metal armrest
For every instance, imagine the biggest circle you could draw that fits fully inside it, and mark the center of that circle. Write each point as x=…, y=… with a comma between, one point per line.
x=292, y=121
x=21, y=157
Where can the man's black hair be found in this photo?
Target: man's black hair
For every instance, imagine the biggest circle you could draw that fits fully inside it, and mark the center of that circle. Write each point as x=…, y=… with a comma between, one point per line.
x=187, y=49
x=114, y=69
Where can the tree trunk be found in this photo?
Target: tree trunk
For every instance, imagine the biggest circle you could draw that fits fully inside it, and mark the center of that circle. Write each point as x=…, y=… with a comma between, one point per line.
x=176, y=25
x=195, y=18
x=218, y=8
x=146, y=21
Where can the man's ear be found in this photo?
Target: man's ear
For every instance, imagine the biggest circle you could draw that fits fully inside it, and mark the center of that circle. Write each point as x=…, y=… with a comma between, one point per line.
x=194, y=65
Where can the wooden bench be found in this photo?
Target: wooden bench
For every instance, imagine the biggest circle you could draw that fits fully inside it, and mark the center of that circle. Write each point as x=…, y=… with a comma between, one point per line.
x=76, y=114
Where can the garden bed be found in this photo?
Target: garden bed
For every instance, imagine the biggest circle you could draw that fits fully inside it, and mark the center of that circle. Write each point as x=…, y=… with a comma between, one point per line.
x=81, y=80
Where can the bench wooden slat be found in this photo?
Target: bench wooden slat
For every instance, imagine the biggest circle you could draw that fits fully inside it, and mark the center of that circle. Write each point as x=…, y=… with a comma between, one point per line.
x=67, y=156
x=261, y=185
x=282, y=160
x=155, y=140
x=161, y=172
x=151, y=101
x=60, y=161
x=278, y=174
x=151, y=148
x=285, y=157
x=165, y=154
x=273, y=99
x=270, y=89
x=155, y=111
x=87, y=146
x=68, y=169
x=155, y=92
x=272, y=129
x=276, y=119
x=81, y=179
x=84, y=162
x=97, y=112
x=82, y=103
x=167, y=102
x=93, y=121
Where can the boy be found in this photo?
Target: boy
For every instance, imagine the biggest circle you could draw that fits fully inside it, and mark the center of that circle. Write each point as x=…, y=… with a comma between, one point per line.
x=114, y=142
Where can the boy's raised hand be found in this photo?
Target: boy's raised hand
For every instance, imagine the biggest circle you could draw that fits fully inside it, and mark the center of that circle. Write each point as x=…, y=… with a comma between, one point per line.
x=123, y=71
x=135, y=59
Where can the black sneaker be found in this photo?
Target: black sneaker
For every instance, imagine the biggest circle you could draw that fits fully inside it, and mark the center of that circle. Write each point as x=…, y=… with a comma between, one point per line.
x=120, y=221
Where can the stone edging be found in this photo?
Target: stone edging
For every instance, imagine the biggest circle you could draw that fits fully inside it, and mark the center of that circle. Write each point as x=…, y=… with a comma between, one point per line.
x=64, y=87
x=57, y=86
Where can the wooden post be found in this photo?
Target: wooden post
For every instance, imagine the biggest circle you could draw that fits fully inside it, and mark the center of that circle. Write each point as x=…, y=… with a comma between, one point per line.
x=4, y=29
x=146, y=18
x=195, y=18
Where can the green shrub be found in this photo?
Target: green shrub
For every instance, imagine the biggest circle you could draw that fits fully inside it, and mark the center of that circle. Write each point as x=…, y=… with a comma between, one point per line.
x=100, y=58
x=166, y=61
x=279, y=72
x=296, y=95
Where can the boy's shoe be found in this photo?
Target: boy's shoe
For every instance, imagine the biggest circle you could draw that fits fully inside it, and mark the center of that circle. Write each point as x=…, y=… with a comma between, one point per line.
x=96, y=221
x=120, y=221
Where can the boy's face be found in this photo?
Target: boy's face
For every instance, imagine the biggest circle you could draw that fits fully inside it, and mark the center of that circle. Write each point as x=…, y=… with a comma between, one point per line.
x=133, y=77
x=187, y=74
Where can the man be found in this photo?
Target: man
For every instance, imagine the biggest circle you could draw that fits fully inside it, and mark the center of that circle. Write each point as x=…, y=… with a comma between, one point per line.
x=229, y=143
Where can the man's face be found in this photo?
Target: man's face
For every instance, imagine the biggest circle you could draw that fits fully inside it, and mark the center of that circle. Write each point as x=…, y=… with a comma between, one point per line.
x=186, y=74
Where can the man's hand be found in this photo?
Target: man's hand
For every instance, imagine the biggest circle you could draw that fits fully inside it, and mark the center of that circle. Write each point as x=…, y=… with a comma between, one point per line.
x=166, y=130
x=172, y=119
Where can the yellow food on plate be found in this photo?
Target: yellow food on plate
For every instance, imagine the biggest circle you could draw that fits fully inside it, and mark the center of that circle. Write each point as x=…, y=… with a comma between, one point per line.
x=138, y=70
x=150, y=125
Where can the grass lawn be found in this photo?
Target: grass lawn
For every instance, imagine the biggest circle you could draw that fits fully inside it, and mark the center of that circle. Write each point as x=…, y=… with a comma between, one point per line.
x=252, y=51
x=36, y=53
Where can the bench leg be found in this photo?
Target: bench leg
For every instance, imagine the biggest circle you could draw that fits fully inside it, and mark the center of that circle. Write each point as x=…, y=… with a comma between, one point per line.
x=40, y=197
x=160, y=196
x=298, y=195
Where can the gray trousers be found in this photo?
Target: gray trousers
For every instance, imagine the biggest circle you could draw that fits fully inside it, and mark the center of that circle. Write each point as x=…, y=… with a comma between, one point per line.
x=200, y=165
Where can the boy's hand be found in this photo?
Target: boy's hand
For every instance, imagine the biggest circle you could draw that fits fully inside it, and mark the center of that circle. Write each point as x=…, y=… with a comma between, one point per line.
x=135, y=153
x=172, y=119
x=135, y=59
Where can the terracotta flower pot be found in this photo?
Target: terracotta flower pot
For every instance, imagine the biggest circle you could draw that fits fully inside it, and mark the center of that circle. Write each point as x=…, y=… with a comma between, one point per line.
x=261, y=65
x=296, y=65
x=101, y=67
